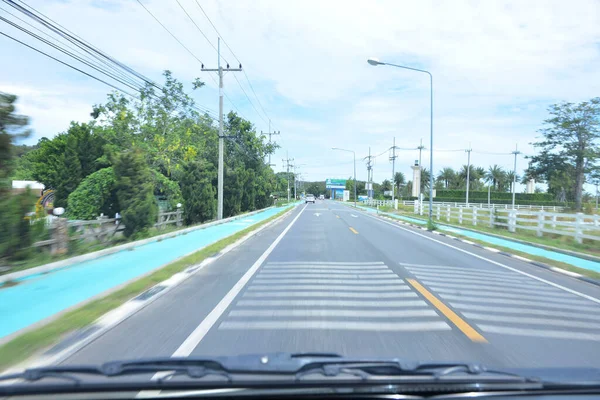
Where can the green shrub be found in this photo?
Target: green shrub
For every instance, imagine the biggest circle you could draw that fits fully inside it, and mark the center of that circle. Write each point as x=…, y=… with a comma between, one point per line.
x=167, y=189
x=15, y=229
x=198, y=193
x=94, y=195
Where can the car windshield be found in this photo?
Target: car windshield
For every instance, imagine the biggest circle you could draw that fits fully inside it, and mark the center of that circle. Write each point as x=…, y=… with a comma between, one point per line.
x=367, y=190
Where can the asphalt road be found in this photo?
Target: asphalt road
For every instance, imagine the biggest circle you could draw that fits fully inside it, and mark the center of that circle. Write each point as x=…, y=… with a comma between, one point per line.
x=328, y=278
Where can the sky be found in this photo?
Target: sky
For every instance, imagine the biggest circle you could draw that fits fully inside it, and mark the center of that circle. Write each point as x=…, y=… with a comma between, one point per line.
x=496, y=66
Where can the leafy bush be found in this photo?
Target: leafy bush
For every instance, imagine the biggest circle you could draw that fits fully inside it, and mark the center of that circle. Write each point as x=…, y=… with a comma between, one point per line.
x=198, y=193
x=94, y=195
x=167, y=189
x=15, y=229
x=483, y=195
x=135, y=192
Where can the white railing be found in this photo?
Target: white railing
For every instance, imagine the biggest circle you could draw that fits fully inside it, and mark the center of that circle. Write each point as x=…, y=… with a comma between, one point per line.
x=381, y=203
x=491, y=205
x=579, y=226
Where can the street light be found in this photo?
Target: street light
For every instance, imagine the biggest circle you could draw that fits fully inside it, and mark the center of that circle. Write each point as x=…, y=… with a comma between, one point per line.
x=376, y=62
x=350, y=151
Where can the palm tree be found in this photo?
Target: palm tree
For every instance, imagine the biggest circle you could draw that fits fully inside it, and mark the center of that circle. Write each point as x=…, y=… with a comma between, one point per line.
x=399, y=180
x=495, y=175
x=509, y=177
x=447, y=176
x=424, y=180
x=386, y=185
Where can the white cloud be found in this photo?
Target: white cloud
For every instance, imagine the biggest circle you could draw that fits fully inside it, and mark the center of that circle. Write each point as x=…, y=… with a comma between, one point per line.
x=496, y=66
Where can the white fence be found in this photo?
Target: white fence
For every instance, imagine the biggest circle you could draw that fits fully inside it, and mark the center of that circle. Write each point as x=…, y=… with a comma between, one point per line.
x=579, y=226
x=491, y=205
x=381, y=203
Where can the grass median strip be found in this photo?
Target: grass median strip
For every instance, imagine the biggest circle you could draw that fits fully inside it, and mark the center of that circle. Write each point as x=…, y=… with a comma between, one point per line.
x=31, y=343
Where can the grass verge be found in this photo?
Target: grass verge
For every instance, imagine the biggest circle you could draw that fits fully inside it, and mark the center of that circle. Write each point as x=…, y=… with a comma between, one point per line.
x=31, y=343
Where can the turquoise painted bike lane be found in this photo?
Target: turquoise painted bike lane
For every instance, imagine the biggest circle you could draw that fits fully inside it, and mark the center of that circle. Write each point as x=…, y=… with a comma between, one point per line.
x=533, y=250
x=39, y=297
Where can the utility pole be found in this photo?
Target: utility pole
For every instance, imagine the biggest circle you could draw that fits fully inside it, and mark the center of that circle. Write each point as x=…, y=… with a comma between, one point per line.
x=369, y=159
x=270, y=134
x=514, y=188
x=393, y=158
x=219, y=70
x=286, y=162
x=421, y=147
x=468, y=151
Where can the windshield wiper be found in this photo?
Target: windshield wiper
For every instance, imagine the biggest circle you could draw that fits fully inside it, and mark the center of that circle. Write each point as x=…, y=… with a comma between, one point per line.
x=297, y=366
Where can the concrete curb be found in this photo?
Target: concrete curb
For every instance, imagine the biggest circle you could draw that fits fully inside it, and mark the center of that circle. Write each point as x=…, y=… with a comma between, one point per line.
x=82, y=337
x=491, y=249
x=46, y=268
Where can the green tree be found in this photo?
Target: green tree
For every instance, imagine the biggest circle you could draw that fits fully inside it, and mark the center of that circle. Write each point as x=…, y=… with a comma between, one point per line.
x=135, y=192
x=199, y=194
x=69, y=175
x=425, y=181
x=386, y=185
x=495, y=175
x=570, y=138
x=447, y=176
x=399, y=181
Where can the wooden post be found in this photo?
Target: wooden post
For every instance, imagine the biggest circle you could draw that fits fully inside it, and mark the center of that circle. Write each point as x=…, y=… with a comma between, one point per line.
x=491, y=217
x=512, y=220
x=578, y=227
x=448, y=213
x=554, y=222
x=460, y=215
x=438, y=212
x=474, y=216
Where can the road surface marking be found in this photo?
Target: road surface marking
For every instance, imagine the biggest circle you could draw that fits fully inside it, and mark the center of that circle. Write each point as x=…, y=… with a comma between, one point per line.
x=354, y=231
x=451, y=315
x=294, y=312
x=521, y=258
x=485, y=290
x=317, y=214
x=354, y=216
x=321, y=263
x=486, y=285
x=531, y=320
x=337, y=216
x=566, y=272
x=330, y=303
x=278, y=275
x=190, y=343
x=575, y=307
x=520, y=310
x=324, y=281
x=576, y=293
x=475, y=283
x=338, y=325
x=456, y=269
x=539, y=333
x=377, y=289
x=492, y=249
x=544, y=298
x=332, y=294
x=457, y=277
x=329, y=270
x=365, y=268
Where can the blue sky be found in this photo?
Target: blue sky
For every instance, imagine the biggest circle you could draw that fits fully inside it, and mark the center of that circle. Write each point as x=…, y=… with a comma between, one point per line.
x=496, y=66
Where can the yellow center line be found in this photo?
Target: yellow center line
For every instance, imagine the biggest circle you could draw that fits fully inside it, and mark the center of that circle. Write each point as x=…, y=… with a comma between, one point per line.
x=448, y=313
x=353, y=230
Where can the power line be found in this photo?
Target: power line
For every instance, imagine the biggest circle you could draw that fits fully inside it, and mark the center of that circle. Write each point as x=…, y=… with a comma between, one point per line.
x=238, y=60
x=197, y=27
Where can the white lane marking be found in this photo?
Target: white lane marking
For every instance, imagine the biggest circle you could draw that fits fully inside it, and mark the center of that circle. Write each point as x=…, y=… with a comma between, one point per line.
x=189, y=344
x=462, y=272
x=330, y=303
x=521, y=258
x=458, y=286
x=327, y=281
x=325, y=263
x=531, y=320
x=585, y=296
x=498, y=291
x=545, y=300
x=354, y=216
x=538, y=333
x=486, y=282
x=366, y=267
x=492, y=249
x=332, y=294
x=277, y=275
x=377, y=289
x=566, y=272
x=272, y=271
x=471, y=278
x=457, y=269
x=523, y=311
x=317, y=214
x=338, y=325
x=519, y=303
x=466, y=241
x=333, y=313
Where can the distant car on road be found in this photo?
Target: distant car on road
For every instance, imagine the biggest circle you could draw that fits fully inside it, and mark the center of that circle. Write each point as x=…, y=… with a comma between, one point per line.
x=321, y=197
x=310, y=198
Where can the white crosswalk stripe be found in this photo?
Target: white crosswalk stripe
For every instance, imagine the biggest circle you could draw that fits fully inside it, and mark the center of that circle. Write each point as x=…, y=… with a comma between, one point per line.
x=506, y=303
x=331, y=296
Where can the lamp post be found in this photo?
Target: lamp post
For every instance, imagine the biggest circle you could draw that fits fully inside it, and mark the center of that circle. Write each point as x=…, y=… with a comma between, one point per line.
x=375, y=62
x=354, y=154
